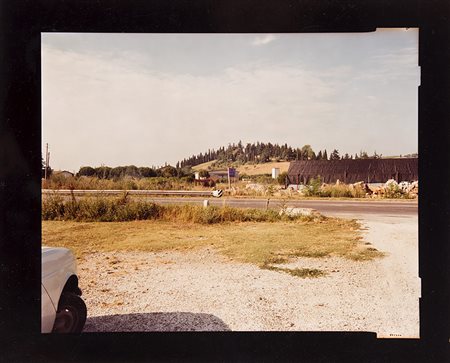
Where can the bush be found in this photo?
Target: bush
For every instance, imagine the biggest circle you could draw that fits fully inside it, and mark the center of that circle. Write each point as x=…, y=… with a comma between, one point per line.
x=86, y=171
x=316, y=188
x=188, y=178
x=98, y=209
x=53, y=208
x=145, y=172
x=203, y=173
x=102, y=172
x=393, y=191
x=168, y=171
x=281, y=179
x=313, y=187
x=336, y=191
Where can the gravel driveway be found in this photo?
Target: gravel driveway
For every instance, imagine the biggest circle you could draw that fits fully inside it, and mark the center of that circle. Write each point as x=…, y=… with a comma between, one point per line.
x=201, y=290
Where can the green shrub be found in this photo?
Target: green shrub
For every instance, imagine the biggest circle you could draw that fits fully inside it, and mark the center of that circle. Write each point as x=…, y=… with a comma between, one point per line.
x=203, y=173
x=188, y=178
x=392, y=191
x=336, y=191
x=313, y=187
x=281, y=179
x=86, y=171
x=52, y=208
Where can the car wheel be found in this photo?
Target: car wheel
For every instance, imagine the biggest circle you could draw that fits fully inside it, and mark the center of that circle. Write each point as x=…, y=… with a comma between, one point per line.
x=71, y=314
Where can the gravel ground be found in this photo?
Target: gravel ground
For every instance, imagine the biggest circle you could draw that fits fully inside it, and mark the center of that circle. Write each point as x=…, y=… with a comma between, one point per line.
x=201, y=290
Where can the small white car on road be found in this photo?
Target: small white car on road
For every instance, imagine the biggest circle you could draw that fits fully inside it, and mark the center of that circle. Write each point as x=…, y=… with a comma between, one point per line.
x=63, y=309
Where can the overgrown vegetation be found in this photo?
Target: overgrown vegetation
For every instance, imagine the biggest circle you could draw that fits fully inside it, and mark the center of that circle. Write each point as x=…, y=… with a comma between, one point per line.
x=95, y=183
x=281, y=179
x=393, y=191
x=102, y=209
x=315, y=188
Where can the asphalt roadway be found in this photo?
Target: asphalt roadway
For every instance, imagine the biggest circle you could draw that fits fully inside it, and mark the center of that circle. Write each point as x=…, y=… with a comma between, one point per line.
x=329, y=207
x=326, y=207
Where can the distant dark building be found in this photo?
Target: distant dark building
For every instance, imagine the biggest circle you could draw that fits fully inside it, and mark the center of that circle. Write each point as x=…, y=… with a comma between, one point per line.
x=353, y=171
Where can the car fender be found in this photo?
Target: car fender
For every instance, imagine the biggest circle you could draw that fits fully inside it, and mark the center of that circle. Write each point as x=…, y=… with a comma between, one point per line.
x=58, y=265
x=48, y=311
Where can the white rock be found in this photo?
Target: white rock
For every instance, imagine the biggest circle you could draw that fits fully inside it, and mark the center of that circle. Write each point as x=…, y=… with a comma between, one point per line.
x=390, y=182
x=293, y=211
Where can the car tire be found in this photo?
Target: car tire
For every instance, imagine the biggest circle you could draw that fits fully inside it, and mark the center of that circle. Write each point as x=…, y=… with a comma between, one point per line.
x=71, y=314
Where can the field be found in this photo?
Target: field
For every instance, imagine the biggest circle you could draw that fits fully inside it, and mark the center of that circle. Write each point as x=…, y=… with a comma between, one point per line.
x=204, y=166
x=266, y=168
x=251, y=169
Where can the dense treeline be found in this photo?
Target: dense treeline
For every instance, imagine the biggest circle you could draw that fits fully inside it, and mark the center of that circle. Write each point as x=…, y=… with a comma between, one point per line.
x=132, y=171
x=239, y=153
x=261, y=152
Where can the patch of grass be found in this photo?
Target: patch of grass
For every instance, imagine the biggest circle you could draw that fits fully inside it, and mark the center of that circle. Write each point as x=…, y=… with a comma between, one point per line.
x=361, y=253
x=248, y=242
x=276, y=260
x=265, y=168
x=298, y=272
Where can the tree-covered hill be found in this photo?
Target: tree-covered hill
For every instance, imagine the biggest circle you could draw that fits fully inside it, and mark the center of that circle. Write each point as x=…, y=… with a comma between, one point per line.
x=261, y=152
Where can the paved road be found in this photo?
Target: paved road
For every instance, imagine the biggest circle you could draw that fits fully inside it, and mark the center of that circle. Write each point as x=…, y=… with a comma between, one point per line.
x=327, y=207
x=353, y=208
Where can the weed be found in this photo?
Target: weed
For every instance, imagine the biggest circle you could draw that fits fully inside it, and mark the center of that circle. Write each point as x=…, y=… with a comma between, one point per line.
x=275, y=260
x=298, y=272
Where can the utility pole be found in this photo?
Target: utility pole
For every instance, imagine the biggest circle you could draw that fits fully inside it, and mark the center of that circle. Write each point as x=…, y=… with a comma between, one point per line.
x=47, y=160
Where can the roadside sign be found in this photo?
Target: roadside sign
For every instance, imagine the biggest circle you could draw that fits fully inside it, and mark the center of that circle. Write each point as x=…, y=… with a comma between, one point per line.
x=217, y=193
x=231, y=172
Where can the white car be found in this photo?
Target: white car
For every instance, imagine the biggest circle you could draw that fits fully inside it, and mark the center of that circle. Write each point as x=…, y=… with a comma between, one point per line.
x=63, y=310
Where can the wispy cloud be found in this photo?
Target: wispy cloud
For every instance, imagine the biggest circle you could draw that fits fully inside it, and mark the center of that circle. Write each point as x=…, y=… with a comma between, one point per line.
x=392, y=66
x=137, y=108
x=264, y=39
x=164, y=113
x=404, y=57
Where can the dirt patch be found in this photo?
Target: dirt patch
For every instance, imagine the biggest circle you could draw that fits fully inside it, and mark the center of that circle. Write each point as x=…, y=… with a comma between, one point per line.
x=201, y=290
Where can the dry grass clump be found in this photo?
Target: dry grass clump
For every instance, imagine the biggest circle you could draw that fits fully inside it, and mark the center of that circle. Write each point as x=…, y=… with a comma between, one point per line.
x=317, y=189
x=342, y=191
x=98, y=209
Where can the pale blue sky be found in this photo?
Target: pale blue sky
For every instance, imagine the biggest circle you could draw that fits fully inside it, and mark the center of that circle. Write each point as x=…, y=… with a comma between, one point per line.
x=146, y=99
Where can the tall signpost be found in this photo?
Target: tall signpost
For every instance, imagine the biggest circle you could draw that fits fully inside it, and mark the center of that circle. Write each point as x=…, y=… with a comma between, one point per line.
x=231, y=174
